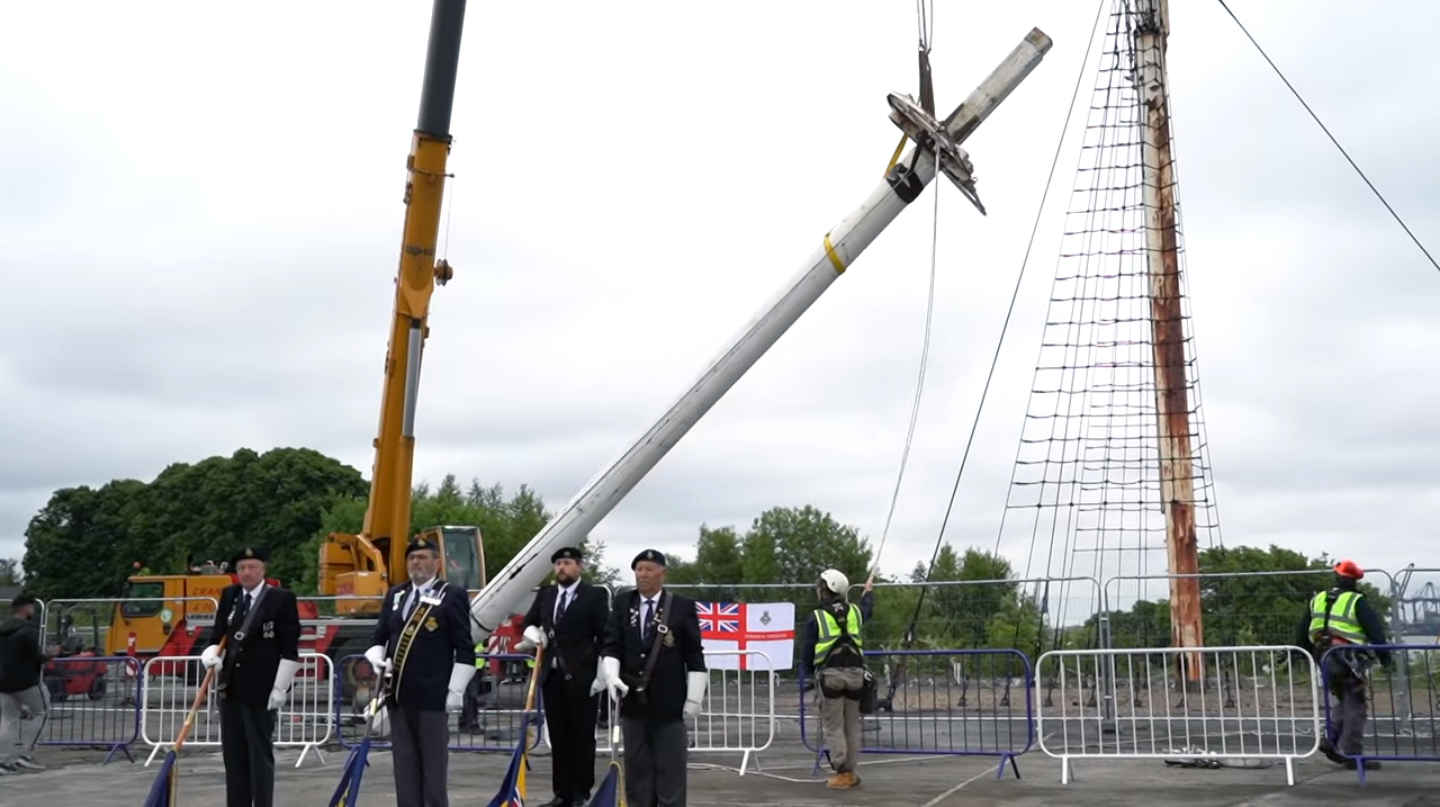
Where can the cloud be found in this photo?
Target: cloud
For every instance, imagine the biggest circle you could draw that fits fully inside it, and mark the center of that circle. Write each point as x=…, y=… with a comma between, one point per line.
x=204, y=252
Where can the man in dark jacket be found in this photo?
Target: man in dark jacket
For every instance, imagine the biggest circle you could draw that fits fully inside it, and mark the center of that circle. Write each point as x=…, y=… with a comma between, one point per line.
x=21, y=660
x=654, y=663
x=568, y=620
x=257, y=666
x=1336, y=618
x=422, y=638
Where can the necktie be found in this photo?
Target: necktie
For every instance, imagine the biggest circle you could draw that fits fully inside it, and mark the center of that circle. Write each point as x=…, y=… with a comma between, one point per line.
x=412, y=602
x=244, y=609
x=649, y=623
x=560, y=612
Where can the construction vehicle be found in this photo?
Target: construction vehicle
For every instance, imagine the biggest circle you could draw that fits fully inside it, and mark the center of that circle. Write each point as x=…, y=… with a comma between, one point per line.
x=367, y=564
x=160, y=615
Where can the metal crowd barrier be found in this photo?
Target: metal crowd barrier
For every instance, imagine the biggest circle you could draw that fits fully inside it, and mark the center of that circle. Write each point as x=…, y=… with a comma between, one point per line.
x=170, y=683
x=737, y=715
x=974, y=702
x=1232, y=705
x=93, y=701
x=490, y=721
x=1401, y=724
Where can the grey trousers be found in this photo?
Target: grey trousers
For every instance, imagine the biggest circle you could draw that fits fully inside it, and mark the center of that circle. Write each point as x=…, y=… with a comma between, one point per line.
x=655, y=756
x=1348, y=709
x=11, y=748
x=247, y=746
x=841, y=715
x=420, y=748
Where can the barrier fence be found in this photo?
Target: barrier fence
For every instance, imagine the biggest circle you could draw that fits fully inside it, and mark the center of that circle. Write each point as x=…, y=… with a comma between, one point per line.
x=1237, y=703
x=738, y=712
x=1395, y=730
x=491, y=719
x=170, y=683
x=950, y=702
x=93, y=702
x=1105, y=684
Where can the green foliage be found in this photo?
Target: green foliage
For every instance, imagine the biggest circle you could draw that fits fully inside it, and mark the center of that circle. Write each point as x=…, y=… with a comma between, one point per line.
x=10, y=572
x=85, y=541
x=1260, y=602
x=506, y=524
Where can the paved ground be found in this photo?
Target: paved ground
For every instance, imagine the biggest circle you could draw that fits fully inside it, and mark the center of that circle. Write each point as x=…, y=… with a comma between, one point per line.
x=76, y=778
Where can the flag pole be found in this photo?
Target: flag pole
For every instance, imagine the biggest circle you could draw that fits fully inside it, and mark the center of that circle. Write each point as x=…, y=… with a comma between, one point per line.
x=190, y=719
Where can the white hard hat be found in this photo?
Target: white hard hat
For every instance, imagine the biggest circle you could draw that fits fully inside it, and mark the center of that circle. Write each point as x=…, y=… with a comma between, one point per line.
x=834, y=580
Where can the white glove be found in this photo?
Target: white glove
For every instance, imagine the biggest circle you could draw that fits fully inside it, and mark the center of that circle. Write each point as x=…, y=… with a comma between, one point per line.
x=535, y=636
x=695, y=686
x=523, y=647
x=211, y=656
x=598, y=685
x=376, y=656
x=610, y=669
x=283, y=676
x=460, y=676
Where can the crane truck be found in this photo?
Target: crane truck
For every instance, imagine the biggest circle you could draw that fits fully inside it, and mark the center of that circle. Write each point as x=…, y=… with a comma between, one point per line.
x=169, y=614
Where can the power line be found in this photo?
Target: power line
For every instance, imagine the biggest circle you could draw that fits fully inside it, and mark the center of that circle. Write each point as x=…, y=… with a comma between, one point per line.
x=1296, y=93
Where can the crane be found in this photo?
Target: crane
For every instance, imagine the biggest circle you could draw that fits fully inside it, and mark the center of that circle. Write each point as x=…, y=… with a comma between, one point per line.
x=365, y=565
x=935, y=142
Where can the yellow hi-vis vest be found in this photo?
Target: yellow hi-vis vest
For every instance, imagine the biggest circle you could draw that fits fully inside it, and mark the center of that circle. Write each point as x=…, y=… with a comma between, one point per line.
x=1341, y=610
x=480, y=661
x=829, y=630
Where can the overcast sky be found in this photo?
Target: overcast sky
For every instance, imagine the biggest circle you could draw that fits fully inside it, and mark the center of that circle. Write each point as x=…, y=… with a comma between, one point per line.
x=202, y=204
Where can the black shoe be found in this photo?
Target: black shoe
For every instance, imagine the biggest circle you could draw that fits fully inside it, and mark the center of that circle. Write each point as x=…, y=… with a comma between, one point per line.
x=1329, y=751
x=557, y=802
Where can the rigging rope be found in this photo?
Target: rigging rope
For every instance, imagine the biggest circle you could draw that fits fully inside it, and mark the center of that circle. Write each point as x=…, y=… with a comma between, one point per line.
x=926, y=92
x=939, y=540
x=1343, y=153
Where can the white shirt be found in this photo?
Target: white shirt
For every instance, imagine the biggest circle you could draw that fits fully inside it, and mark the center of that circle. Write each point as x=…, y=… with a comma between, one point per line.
x=415, y=593
x=567, y=594
x=648, y=608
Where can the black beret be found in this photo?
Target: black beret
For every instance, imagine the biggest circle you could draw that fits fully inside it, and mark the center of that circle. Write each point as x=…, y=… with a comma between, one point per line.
x=567, y=552
x=417, y=544
x=652, y=555
x=249, y=553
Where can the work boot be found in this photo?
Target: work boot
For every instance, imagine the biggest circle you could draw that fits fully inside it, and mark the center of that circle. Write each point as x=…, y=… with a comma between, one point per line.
x=843, y=780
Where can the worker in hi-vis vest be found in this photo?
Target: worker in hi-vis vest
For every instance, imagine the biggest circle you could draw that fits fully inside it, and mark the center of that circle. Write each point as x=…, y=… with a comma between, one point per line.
x=1342, y=616
x=833, y=653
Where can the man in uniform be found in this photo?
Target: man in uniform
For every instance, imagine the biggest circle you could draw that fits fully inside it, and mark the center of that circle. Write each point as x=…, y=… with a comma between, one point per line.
x=257, y=667
x=1342, y=616
x=568, y=620
x=655, y=665
x=835, y=647
x=422, y=638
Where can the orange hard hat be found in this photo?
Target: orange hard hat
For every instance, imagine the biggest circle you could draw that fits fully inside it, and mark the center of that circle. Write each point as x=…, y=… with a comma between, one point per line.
x=1349, y=568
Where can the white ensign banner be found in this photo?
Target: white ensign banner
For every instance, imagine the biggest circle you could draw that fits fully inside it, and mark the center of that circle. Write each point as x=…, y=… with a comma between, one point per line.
x=768, y=627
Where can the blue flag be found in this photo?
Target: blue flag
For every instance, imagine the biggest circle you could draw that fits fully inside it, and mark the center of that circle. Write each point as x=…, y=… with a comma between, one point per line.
x=512, y=787
x=611, y=792
x=347, y=793
x=164, y=780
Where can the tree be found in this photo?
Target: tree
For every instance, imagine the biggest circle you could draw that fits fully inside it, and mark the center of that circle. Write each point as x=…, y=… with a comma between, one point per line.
x=11, y=573
x=1253, y=596
x=506, y=524
x=186, y=515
